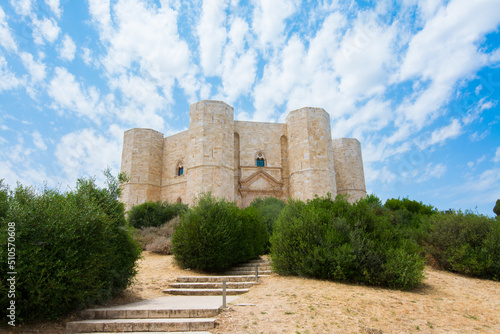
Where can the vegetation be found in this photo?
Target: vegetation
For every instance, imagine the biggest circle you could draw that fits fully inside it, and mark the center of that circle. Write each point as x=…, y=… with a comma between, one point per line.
x=72, y=249
x=154, y=213
x=270, y=208
x=158, y=239
x=465, y=243
x=496, y=209
x=333, y=239
x=216, y=235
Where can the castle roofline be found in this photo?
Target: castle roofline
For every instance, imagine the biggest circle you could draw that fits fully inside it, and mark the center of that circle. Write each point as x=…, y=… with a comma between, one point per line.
x=306, y=109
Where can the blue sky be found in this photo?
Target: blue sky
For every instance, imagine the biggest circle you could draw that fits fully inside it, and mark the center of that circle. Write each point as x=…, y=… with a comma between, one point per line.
x=417, y=82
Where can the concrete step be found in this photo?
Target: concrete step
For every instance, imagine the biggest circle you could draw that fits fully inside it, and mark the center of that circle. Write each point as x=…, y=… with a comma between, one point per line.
x=148, y=314
x=204, y=292
x=248, y=273
x=208, y=279
x=229, y=285
x=256, y=261
x=163, y=307
x=153, y=333
x=141, y=325
x=250, y=268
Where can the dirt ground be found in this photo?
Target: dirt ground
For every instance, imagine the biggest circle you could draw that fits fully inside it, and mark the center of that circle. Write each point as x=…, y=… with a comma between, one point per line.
x=445, y=303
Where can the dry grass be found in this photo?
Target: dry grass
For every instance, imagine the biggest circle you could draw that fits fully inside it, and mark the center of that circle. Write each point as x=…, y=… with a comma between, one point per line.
x=158, y=239
x=446, y=303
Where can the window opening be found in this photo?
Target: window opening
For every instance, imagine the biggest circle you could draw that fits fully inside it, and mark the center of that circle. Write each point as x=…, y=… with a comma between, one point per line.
x=180, y=169
x=260, y=160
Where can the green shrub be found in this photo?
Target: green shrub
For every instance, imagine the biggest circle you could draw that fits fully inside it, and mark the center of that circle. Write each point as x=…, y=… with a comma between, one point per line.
x=332, y=239
x=465, y=243
x=270, y=208
x=4, y=199
x=72, y=249
x=154, y=213
x=496, y=209
x=215, y=235
x=409, y=205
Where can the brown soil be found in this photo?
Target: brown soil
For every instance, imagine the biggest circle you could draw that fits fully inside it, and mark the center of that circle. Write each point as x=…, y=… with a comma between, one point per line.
x=445, y=303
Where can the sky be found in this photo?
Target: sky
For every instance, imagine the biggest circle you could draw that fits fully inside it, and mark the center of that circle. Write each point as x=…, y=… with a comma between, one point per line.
x=416, y=82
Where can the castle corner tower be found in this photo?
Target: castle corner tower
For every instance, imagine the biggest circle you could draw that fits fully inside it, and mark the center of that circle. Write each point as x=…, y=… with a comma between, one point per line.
x=211, y=151
x=310, y=154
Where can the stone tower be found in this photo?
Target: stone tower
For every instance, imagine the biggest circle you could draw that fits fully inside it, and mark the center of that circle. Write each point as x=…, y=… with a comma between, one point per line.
x=211, y=150
x=349, y=169
x=142, y=161
x=310, y=154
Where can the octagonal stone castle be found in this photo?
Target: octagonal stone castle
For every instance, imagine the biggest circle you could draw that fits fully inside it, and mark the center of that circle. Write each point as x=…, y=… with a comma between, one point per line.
x=241, y=160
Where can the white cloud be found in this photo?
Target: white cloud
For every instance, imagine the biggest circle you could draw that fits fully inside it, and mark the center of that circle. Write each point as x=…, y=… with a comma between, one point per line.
x=87, y=56
x=446, y=51
x=69, y=94
x=22, y=7
x=269, y=20
x=46, y=29
x=432, y=171
x=212, y=35
x=36, y=69
x=479, y=189
x=497, y=155
x=8, y=80
x=428, y=8
x=85, y=153
x=38, y=141
x=54, y=6
x=239, y=66
x=147, y=37
x=142, y=101
x=68, y=48
x=6, y=39
x=100, y=12
x=439, y=136
x=478, y=137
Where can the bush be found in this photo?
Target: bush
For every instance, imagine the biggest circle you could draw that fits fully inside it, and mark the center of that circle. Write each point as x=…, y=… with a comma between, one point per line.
x=216, y=235
x=154, y=213
x=332, y=239
x=158, y=239
x=465, y=243
x=270, y=208
x=413, y=207
x=4, y=199
x=73, y=249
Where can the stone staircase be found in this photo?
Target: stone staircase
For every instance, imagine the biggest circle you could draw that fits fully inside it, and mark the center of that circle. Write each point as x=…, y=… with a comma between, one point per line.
x=161, y=315
x=238, y=281
x=192, y=308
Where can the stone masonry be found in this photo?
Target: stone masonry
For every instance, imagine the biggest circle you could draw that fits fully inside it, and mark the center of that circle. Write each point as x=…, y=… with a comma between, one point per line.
x=241, y=160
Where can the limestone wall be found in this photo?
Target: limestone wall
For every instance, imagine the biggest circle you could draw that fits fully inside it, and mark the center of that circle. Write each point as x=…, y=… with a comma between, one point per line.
x=310, y=153
x=350, y=175
x=175, y=151
x=142, y=161
x=211, y=151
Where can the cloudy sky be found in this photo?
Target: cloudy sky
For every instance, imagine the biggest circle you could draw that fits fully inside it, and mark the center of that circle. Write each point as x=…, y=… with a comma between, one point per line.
x=417, y=82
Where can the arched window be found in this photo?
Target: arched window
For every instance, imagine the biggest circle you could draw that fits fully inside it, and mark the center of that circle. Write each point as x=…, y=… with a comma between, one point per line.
x=179, y=200
x=260, y=161
x=180, y=169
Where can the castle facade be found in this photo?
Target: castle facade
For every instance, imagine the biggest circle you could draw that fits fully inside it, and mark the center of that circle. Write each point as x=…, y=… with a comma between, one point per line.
x=241, y=160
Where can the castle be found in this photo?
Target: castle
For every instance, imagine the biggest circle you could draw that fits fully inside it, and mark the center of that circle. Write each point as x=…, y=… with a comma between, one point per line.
x=241, y=160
